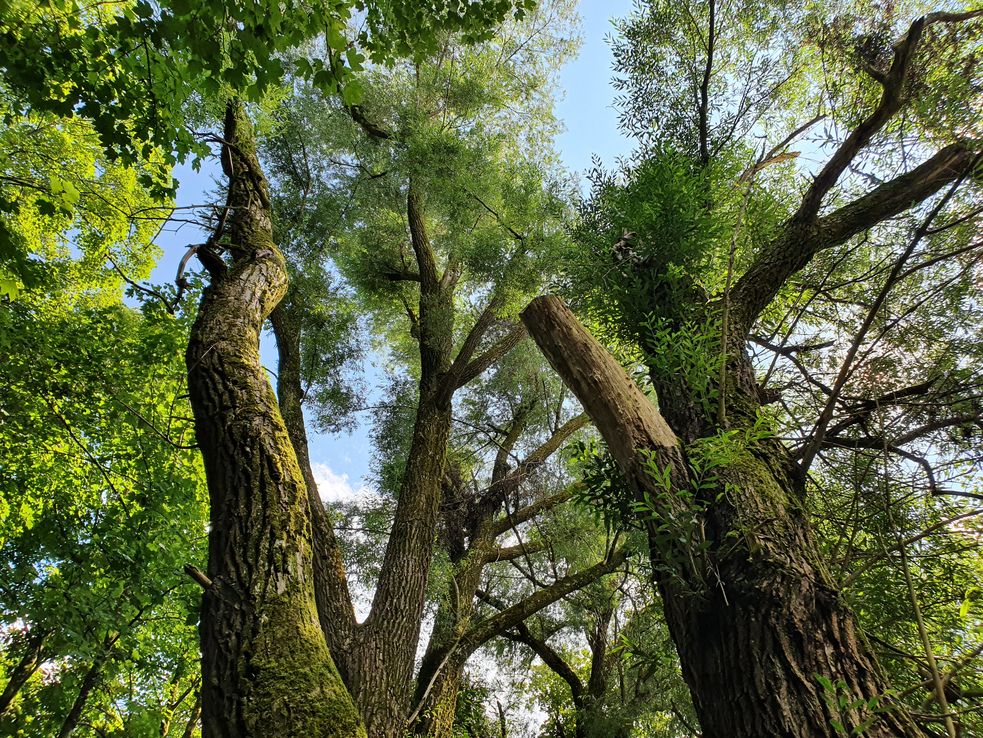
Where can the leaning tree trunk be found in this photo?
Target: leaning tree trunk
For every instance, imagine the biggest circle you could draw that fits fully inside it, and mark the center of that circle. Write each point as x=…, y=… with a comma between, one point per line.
x=756, y=619
x=24, y=669
x=266, y=670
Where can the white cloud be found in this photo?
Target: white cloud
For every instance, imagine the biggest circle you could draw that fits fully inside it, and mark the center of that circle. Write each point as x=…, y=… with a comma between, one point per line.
x=333, y=487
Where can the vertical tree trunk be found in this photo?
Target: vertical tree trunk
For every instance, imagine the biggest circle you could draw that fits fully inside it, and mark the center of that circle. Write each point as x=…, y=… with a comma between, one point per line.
x=28, y=664
x=442, y=668
x=331, y=593
x=754, y=615
x=382, y=673
x=439, y=706
x=266, y=669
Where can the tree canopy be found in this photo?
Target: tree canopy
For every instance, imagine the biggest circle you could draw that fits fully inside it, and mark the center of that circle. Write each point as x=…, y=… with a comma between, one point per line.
x=688, y=447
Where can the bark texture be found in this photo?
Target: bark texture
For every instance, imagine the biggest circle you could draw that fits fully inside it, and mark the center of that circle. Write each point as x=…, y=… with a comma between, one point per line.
x=754, y=615
x=381, y=677
x=266, y=669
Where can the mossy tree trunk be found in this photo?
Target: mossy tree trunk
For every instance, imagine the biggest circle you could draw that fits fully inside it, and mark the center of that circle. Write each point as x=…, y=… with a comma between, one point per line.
x=331, y=592
x=441, y=672
x=266, y=669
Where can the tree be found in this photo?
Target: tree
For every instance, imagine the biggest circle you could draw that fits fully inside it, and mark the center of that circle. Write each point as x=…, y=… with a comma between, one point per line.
x=440, y=127
x=266, y=666
x=423, y=181
x=608, y=665
x=764, y=636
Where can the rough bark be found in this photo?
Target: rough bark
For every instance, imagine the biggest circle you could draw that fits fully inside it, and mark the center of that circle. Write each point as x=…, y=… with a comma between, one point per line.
x=381, y=677
x=755, y=617
x=266, y=669
x=804, y=237
x=438, y=693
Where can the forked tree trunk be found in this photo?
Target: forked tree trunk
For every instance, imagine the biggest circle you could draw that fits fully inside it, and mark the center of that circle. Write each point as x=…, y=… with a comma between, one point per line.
x=266, y=670
x=755, y=617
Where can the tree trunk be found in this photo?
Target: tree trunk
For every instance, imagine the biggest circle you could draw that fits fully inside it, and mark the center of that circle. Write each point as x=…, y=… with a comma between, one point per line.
x=442, y=668
x=28, y=664
x=89, y=682
x=266, y=669
x=193, y=718
x=381, y=676
x=755, y=617
x=439, y=706
x=333, y=598
x=382, y=672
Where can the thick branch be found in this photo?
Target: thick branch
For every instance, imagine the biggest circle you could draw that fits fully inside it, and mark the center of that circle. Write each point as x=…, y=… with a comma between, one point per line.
x=552, y=659
x=473, y=339
x=509, y=553
x=371, y=128
x=889, y=104
x=625, y=417
x=498, y=350
x=502, y=485
x=334, y=604
x=487, y=629
x=800, y=242
x=400, y=276
x=501, y=466
x=425, y=259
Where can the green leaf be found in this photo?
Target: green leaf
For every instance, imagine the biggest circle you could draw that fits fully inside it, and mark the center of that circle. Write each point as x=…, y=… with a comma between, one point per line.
x=352, y=92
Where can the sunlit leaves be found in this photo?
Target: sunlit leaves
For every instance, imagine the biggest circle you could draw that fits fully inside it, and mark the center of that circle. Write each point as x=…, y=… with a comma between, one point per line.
x=132, y=67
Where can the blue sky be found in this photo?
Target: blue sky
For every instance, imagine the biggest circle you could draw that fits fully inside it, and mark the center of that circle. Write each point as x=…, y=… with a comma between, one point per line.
x=341, y=461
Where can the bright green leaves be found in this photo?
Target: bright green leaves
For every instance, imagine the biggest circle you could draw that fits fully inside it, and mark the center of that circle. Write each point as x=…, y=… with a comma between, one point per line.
x=64, y=193
x=352, y=92
x=101, y=504
x=689, y=352
x=55, y=181
x=648, y=240
x=133, y=67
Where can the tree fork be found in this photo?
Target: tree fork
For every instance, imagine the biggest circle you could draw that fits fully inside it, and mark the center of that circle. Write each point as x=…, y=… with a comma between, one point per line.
x=753, y=644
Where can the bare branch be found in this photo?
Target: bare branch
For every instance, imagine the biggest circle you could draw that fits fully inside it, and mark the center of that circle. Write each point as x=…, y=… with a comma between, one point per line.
x=487, y=629
x=524, y=514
